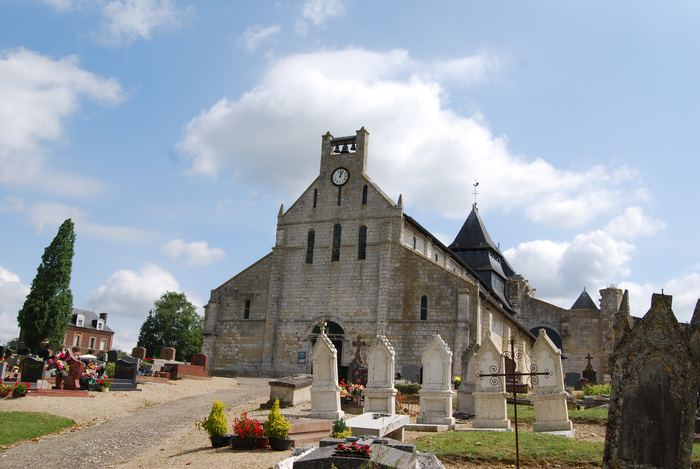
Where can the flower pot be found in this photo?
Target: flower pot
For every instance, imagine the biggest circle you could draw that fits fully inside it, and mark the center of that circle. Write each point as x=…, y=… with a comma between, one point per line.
x=18, y=394
x=281, y=445
x=104, y=388
x=220, y=441
x=263, y=442
x=5, y=393
x=243, y=443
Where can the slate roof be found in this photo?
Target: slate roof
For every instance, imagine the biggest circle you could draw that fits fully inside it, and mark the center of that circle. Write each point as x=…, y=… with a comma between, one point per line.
x=584, y=301
x=90, y=320
x=473, y=234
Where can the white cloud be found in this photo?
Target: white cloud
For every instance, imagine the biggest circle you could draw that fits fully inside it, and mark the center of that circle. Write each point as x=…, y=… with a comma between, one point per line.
x=131, y=294
x=632, y=223
x=49, y=215
x=11, y=204
x=254, y=36
x=319, y=10
x=12, y=296
x=417, y=145
x=39, y=94
x=195, y=253
x=129, y=20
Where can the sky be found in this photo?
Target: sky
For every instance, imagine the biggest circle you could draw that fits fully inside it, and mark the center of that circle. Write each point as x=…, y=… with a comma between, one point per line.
x=171, y=131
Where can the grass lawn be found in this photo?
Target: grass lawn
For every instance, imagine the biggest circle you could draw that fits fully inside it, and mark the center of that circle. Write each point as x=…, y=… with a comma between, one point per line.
x=18, y=426
x=526, y=414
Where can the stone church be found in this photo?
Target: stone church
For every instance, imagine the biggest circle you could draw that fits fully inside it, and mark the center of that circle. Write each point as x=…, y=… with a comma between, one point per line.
x=346, y=253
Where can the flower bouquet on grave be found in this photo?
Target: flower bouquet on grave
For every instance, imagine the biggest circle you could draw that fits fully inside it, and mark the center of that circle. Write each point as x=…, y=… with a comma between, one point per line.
x=20, y=389
x=105, y=384
x=5, y=389
x=59, y=364
x=146, y=364
x=353, y=450
x=89, y=376
x=344, y=394
x=247, y=431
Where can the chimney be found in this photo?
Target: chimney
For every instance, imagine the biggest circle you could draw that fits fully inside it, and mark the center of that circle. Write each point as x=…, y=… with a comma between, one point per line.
x=103, y=316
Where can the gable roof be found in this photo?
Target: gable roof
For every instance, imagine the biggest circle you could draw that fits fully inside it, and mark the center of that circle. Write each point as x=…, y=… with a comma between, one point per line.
x=584, y=301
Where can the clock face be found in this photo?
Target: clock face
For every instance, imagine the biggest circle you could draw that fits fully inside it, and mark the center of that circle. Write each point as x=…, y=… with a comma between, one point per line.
x=340, y=176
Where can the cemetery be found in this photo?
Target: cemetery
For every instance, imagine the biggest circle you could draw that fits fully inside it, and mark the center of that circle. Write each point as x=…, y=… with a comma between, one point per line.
x=505, y=407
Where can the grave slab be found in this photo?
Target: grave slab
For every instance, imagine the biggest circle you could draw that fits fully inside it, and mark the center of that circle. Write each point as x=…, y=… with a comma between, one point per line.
x=377, y=424
x=383, y=456
x=290, y=391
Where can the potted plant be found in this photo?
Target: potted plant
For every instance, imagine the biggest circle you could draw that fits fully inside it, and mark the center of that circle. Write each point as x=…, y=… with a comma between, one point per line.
x=215, y=425
x=457, y=381
x=105, y=384
x=340, y=430
x=20, y=389
x=277, y=429
x=6, y=390
x=247, y=431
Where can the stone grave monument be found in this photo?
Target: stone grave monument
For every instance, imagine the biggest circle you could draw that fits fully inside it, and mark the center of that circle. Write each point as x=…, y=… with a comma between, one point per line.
x=357, y=369
x=589, y=374
x=380, y=394
x=31, y=370
x=112, y=356
x=44, y=354
x=168, y=353
x=653, y=397
x=412, y=373
x=436, y=391
x=549, y=396
x=325, y=392
x=125, y=372
x=24, y=351
x=138, y=352
x=465, y=393
x=489, y=397
x=2, y=351
x=72, y=381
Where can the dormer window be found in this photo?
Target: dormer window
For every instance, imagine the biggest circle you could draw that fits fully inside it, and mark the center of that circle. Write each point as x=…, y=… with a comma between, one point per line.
x=100, y=325
x=80, y=320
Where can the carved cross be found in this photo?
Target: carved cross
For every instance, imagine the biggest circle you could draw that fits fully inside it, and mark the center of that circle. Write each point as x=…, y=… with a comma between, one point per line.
x=359, y=343
x=589, y=360
x=322, y=326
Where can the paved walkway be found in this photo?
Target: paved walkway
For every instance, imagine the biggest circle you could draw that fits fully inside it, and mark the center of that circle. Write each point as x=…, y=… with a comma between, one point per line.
x=122, y=440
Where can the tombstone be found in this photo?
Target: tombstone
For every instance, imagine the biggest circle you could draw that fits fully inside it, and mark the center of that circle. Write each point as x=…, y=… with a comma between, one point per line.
x=436, y=390
x=125, y=372
x=589, y=374
x=102, y=356
x=412, y=373
x=549, y=396
x=2, y=351
x=31, y=370
x=570, y=379
x=72, y=381
x=112, y=356
x=44, y=354
x=11, y=360
x=386, y=454
x=654, y=389
x=138, y=352
x=3, y=366
x=199, y=359
x=24, y=351
x=380, y=394
x=489, y=396
x=465, y=393
x=325, y=392
x=357, y=369
x=168, y=353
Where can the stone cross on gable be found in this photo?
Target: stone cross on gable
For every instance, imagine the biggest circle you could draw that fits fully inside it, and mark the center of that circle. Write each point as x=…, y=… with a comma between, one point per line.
x=359, y=343
x=322, y=326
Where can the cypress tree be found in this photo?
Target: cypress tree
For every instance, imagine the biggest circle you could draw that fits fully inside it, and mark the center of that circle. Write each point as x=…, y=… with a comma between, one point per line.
x=49, y=305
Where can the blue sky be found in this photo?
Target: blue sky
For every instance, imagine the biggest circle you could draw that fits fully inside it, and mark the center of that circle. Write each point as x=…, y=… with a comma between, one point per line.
x=171, y=132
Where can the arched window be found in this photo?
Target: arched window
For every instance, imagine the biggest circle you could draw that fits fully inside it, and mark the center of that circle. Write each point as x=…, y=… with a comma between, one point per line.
x=315, y=197
x=335, y=255
x=246, y=310
x=310, y=247
x=364, y=195
x=362, y=244
x=423, y=308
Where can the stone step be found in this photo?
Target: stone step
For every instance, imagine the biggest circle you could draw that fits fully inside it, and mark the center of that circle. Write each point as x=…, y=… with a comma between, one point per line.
x=57, y=393
x=309, y=430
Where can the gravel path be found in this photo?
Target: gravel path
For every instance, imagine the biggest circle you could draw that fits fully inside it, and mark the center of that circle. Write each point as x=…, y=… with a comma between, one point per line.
x=161, y=435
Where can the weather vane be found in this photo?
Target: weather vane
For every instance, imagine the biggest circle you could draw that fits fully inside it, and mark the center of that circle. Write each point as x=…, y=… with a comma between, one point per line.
x=475, y=191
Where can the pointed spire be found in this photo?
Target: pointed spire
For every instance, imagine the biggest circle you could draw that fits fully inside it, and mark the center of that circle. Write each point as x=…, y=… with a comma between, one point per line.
x=622, y=319
x=473, y=234
x=400, y=204
x=584, y=301
x=281, y=214
x=695, y=322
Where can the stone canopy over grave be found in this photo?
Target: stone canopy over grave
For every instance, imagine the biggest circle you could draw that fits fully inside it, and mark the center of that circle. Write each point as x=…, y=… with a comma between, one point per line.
x=325, y=392
x=465, y=393
x=436, y=391
x=380, y=394
x=489, y=396
x=654, y=389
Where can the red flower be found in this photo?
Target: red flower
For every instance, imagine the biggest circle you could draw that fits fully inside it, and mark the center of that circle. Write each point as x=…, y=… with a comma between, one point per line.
x=340, y=447
x=365, y=448
x=28, y=386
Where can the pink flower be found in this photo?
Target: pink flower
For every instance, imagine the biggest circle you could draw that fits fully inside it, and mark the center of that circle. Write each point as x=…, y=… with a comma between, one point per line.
x=340, y=447
x=60, y=367
x=366, y=448
x=63, y=355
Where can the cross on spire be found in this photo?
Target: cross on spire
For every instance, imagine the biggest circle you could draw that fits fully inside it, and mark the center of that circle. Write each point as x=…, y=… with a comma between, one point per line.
x=475, y=191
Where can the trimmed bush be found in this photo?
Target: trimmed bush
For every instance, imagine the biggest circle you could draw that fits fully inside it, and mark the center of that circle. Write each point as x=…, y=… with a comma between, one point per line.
x=408, y=389
x=216, y=424
x=276, y=425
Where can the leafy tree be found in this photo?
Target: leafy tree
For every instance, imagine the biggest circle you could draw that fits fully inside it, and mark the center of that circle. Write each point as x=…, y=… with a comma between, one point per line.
x=12, y=344
x=49, y=305
x=173, y=322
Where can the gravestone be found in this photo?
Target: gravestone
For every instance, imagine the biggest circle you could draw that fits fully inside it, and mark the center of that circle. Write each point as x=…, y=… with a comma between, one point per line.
x=325, y=392
x=465, y=393
x=44, y=354
x=31, y=370
x=3, y=367
x=168, y=353
x=112, y=356
x=72, y=381
x=102, y=356
x=549, y=396
x=199, y=359
x=489, y=398
x=2, y=351
x=125, y=372
x=589, y=374
x=436, y=390
x=138, y=352
x=570, y=379
x=11, y=360
x=653, y=398
x=411, y=373
x=380, y=394
x=24, y=351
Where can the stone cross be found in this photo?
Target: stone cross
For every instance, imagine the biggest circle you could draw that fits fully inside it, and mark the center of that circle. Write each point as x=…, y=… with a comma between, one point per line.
x=359, y=343
x=589, y=360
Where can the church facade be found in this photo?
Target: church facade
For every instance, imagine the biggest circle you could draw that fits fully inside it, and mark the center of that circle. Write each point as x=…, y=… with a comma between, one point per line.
x=348, y=254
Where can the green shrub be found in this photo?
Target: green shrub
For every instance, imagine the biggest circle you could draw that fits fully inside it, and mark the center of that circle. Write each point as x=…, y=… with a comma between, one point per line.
x=276, y=425
x=408, y=389
x=596, y=389
x=216, y=424
x=340, y=430
x=109, y=370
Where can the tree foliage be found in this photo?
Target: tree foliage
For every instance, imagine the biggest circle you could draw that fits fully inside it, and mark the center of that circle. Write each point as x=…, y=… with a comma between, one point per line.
x=49, y=305
x=173, y=322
